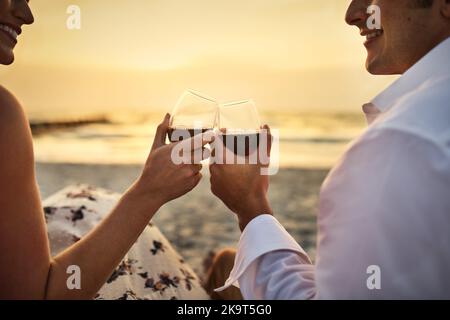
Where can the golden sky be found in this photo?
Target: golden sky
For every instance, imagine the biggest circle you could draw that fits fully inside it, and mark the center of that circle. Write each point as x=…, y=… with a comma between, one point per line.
x=285, y=54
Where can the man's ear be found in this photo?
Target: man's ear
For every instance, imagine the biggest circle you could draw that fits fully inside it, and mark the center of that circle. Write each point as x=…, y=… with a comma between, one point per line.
x=445, y=8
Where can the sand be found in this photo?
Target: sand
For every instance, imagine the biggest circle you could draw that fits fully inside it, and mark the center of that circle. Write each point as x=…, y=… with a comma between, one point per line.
x=199, y=222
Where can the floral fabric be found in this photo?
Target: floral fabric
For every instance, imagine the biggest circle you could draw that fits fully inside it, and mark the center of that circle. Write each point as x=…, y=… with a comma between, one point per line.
x=152, y=269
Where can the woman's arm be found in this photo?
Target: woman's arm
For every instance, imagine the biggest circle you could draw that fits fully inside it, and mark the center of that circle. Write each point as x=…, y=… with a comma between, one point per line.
x=26, y=268
x=99, y=252
x=24, y=250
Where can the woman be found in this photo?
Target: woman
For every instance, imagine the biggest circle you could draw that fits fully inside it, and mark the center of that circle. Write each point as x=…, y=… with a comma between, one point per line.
x=27, y=269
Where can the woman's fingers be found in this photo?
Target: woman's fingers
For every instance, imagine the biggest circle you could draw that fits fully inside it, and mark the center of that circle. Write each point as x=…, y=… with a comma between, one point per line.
x=196, y=168
x=202, y=154
x=161, y=132
x=195, y=180
x=198, y=141
x=192, y=150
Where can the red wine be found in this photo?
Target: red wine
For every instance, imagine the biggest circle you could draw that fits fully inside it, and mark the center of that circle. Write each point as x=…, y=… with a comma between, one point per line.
x=179, y=134
x=242, y=144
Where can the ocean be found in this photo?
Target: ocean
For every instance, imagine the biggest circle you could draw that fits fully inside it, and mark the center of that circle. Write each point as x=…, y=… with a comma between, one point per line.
x=306, y=140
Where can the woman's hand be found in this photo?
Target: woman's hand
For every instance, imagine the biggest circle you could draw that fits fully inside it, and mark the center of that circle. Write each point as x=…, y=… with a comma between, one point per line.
x=162, y=180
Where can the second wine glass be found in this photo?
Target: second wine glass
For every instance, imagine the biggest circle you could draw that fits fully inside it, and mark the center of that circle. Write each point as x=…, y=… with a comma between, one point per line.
x=240, y=126
x=194, y=113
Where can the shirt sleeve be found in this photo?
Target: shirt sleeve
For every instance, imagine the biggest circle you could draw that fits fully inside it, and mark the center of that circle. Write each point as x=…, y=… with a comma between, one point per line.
x=383, y=230
x=262, y=235
x=279, y=275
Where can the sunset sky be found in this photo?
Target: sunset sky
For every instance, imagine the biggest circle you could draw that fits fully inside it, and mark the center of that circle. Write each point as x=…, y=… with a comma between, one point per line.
x=296, y=55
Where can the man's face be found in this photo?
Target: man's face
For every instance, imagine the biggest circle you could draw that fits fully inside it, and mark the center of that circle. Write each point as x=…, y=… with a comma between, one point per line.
x=408, y=31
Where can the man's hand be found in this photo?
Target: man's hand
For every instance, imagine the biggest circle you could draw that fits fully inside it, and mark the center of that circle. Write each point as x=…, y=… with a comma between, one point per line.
x=162, y=180
x=242, y=187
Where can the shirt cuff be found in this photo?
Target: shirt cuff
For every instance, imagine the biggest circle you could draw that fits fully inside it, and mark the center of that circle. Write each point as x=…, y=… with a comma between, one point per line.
x=262, y=235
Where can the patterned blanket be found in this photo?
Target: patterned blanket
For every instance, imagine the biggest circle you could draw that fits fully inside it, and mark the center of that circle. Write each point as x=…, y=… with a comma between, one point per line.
x=152, y=269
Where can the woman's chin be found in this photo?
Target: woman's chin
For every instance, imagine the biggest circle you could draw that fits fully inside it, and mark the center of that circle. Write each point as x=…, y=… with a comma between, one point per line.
x=6, y=59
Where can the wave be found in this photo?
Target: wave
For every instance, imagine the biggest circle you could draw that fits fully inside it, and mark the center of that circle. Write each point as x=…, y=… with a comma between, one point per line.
x=40, y=127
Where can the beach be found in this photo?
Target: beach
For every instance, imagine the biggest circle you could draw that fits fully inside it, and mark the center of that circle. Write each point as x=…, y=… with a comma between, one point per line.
x=199, y=222
x=109, y=154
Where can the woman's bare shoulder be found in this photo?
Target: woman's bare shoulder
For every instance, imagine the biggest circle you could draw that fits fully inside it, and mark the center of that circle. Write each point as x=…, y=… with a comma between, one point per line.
x=15, y=136
x=10, y=109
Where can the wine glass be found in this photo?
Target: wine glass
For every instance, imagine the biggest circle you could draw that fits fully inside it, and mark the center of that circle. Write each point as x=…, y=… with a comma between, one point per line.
x=239, y=126
x=193, y=114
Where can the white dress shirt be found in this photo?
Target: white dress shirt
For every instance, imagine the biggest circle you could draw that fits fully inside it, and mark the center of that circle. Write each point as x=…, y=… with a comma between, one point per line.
x=384, y=209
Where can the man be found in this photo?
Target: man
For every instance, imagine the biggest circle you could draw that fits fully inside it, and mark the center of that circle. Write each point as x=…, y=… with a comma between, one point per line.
x=384, y=213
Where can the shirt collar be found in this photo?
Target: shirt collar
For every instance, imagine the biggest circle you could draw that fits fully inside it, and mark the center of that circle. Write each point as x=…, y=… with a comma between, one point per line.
x=434, y=64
